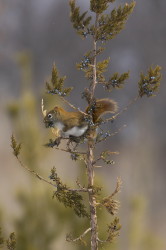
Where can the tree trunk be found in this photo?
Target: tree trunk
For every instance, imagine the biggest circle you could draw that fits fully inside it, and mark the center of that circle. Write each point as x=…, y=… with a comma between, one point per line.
x=92, y=199
x=90, y=156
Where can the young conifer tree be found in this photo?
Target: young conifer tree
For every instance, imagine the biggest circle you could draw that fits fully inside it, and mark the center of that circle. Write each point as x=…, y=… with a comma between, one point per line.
x=100, y=27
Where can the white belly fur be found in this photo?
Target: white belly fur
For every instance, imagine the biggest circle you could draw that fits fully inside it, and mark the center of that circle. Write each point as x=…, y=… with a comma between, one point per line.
x=59, y=125
x=76, y=131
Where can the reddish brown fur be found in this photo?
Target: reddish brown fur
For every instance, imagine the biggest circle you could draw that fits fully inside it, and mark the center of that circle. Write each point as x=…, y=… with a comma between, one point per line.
x=102, y=107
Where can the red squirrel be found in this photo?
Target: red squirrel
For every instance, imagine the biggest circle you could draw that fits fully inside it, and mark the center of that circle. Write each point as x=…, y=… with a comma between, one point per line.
x=75, y=123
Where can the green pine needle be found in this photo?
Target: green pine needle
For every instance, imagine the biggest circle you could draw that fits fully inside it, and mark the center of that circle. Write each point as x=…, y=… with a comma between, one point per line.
x=117, y=81
x=69, y=198
x=100, y=5
x=149, y=84
x=11, y=242
x=1, y=239
x=56, y=86
x=111, y=24
x=15, y=146
x=80, y=21
x=113, y=230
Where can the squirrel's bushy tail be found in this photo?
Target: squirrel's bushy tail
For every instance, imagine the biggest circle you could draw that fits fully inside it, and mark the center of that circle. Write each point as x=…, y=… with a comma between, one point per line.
x=102, y=107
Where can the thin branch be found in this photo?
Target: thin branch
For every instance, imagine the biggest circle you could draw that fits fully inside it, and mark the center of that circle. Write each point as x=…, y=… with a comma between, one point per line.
x=121, y=111
x=93, y=86
x=83, y=188
x=100, y=158
x=68, y=151
x=46, y=181
x=72, y=106
x=112, y=134
x=36, y=174
x=102, y=241
x=82, y=154
x=79, y=184
x=82, y=235
x=118, y=187
x=79, y=190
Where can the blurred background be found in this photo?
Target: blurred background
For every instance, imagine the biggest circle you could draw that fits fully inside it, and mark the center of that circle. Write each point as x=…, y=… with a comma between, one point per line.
x=34, y=35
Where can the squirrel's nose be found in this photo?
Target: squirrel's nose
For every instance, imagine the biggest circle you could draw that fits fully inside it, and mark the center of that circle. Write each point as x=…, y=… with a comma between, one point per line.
x=49, y=124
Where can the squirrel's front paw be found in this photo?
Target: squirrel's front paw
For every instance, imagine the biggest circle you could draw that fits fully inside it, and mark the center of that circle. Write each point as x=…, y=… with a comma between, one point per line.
x=53, y=143
x=57, y=141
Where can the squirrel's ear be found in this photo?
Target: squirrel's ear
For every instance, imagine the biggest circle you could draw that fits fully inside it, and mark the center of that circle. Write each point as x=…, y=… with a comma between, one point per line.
x=55, y=109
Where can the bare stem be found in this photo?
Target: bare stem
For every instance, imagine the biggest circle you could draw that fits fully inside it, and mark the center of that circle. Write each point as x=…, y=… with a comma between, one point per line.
x=81, y=236
x=112, y=134
x=35, y=174
x=82, y=189
x=92, y=199
x=66, y=150
x=90, y=157
x=118, y=187
x=94, y=82
x=121, y=111
x=72, y=106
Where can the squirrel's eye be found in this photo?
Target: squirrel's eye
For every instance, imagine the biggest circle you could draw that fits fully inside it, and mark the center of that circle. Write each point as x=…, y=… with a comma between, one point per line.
x=49, y=115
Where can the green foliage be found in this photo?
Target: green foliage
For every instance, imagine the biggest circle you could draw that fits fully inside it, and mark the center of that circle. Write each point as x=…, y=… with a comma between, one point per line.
x=80, y=21
x=15, y=146
x=109, y=202
x=87, y=95
x=52, y=143
x=86, y=66
x=113, y=230
x=11, y=242
x=70, y=198
x=116, y=81
x=88, y=72
x=104, y=156
x=111, y=24
x=98, y=6
x=86, y=61
x=101, y=68
x=111, y=205
x=75, y=156
x=56, y=84
x=99, y=50
x=150, y=83
x=1, y=239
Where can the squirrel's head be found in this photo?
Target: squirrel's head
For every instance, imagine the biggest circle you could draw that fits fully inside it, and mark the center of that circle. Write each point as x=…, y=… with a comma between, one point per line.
x=51, y=118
